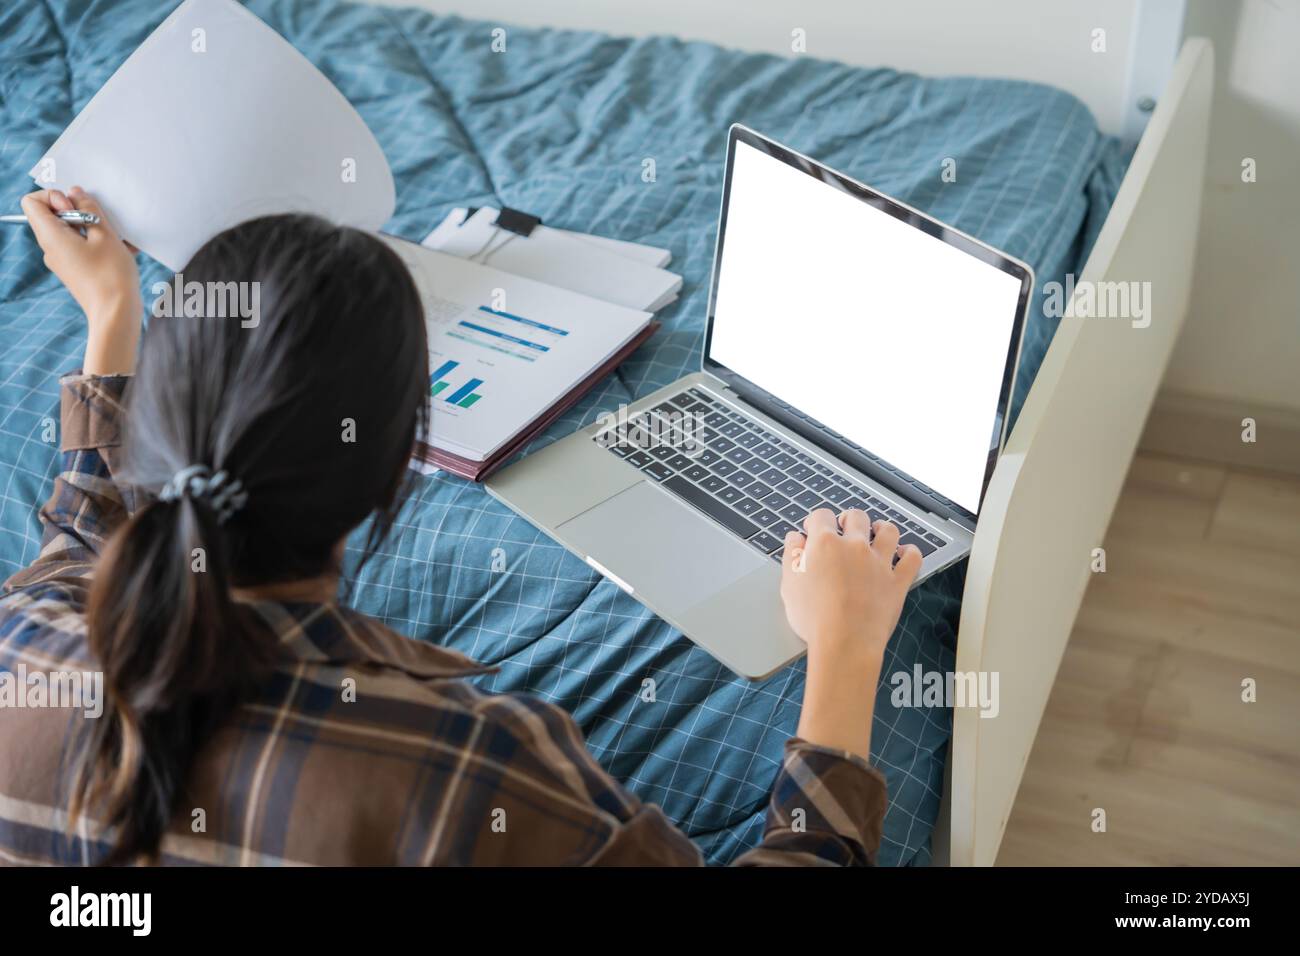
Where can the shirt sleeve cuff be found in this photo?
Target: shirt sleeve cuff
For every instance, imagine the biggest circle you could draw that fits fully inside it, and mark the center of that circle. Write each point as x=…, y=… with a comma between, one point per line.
x=835, y=791
x=92, y=410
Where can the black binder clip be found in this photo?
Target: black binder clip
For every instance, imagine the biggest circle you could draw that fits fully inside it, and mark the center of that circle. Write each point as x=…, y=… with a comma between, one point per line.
x=520, y=223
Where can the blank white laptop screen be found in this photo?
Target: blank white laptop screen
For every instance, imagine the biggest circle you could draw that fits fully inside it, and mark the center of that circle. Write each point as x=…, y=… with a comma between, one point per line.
x=889, y=336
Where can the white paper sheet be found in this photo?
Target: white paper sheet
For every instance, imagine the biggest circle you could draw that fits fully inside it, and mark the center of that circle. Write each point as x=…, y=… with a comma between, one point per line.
x=636, y=251
x=606, y=269
x=213, y=120
x=503, y=348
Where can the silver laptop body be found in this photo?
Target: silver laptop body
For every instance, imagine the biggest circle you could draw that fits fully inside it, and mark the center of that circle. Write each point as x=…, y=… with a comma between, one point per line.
x=683, y=498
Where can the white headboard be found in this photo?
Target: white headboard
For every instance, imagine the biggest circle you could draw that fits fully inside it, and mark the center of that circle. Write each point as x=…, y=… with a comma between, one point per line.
x=1050, y=41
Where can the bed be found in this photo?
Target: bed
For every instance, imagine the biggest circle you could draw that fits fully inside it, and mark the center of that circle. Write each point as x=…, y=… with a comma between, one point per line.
x=563, y=126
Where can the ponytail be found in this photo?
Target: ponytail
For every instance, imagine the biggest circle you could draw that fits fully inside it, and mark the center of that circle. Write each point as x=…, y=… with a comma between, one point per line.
x=178, y=655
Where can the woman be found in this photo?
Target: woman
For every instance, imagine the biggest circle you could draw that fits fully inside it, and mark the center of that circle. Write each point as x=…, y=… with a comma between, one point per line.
x=191, y=554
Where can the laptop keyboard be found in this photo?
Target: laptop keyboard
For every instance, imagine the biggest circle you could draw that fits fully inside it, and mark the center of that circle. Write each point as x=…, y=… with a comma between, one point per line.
x=746, y=478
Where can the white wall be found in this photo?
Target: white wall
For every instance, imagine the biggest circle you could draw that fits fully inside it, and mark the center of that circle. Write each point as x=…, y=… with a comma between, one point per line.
x=1242, y=339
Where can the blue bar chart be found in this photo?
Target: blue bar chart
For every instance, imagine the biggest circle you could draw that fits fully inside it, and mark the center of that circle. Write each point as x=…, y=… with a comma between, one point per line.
x=463, y=395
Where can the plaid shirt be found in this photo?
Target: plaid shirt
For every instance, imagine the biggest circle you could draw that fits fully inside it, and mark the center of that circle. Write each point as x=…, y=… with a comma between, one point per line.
x=365, y=747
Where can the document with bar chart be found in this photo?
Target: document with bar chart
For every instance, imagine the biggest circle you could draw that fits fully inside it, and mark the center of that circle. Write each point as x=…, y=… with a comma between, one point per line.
x=504, y=349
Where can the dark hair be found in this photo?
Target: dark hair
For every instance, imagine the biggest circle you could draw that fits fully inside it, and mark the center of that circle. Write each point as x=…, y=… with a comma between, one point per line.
x=314, y=405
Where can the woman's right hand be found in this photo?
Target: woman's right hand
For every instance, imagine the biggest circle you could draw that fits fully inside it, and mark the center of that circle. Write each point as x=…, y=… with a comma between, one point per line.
x=842, y=592
x=843, y=595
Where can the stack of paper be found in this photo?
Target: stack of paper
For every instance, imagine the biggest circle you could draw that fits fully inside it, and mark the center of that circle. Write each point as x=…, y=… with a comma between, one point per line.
x=624, y=273
x=254, y=129
x=507, y=354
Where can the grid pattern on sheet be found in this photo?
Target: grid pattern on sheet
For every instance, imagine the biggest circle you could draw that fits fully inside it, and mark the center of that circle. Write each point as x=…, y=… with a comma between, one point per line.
x=623, y=138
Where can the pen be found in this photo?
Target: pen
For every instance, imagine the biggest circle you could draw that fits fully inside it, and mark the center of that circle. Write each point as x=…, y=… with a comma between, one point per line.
x=73, y=217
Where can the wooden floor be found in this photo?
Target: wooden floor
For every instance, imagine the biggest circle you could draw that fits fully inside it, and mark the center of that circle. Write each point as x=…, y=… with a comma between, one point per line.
x=1146, y=720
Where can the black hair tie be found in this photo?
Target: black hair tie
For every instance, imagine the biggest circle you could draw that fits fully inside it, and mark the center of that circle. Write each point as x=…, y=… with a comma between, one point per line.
x=223, y=494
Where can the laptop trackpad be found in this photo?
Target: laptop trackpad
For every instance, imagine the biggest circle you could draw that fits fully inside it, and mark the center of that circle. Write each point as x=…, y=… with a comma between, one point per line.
x=660, y=546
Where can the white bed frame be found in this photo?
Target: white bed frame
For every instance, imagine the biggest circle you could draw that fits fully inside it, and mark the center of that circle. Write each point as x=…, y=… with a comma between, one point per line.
x=1053, y=491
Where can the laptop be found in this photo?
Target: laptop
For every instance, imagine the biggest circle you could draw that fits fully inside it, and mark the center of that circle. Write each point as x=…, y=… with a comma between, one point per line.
x=858, y=354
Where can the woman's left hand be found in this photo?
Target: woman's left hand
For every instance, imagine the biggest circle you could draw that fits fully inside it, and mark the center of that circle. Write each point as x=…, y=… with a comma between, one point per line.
x=99, y=269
